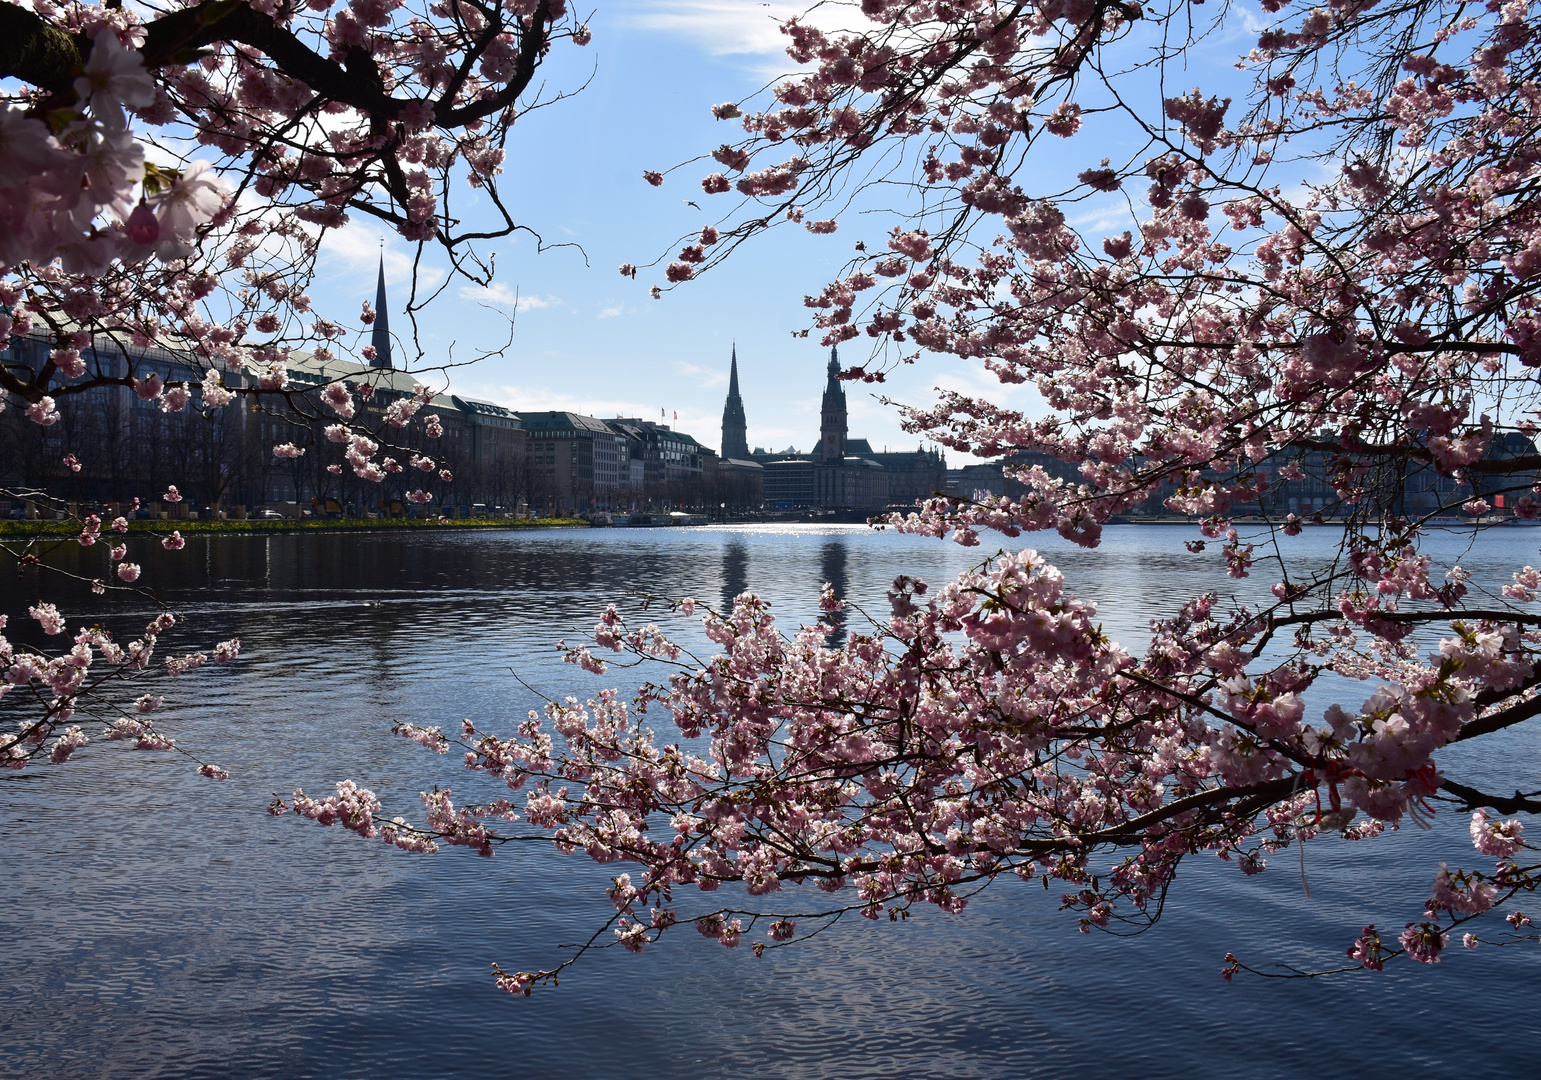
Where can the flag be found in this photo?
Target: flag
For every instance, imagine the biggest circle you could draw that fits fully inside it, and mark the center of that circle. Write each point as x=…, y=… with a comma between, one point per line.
x=676, y=418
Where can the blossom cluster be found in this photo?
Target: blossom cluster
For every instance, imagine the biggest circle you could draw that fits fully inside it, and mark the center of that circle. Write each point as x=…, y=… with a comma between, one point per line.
x=72, y=684
x=984, y=729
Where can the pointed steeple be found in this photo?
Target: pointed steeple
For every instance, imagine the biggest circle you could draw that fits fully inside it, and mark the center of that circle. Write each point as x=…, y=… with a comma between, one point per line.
x=735, y=430
x=381, y=338
x=832, y=418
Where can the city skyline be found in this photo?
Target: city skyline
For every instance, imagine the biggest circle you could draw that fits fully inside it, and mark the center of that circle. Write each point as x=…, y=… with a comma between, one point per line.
x=588, y=340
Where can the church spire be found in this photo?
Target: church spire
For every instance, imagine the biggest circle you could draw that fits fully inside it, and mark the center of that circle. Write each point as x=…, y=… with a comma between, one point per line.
x=735, y=429
x=832, y=418
x=381, y=338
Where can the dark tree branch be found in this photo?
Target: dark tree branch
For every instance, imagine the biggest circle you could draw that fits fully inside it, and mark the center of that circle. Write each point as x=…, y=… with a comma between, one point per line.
x=37, y=53
x=1517, y=803
x=47, y=58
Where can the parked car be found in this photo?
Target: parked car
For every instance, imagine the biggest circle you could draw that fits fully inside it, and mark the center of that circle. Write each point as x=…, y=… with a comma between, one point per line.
x=267, y=514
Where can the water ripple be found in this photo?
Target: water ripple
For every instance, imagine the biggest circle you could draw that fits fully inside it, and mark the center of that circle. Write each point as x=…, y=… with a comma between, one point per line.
x=164, y=926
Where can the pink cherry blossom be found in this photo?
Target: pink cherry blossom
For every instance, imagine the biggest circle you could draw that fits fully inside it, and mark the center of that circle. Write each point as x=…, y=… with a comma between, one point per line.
x=1501, y=840
x=337, y=398
x=68, y=362
x=196, y=196
x=48, y=618
x=113, y=76
x=1211, y=325
x=42, y=412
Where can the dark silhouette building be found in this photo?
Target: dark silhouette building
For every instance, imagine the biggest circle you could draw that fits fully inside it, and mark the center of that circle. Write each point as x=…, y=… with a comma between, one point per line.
x=840, y=474
x=844, y=475
x=832, y=418
x=735, y=429
x=381, y=337
x=913, y=475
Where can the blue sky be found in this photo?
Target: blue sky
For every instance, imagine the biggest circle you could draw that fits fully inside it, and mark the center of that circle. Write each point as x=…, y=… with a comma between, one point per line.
x=590, y=340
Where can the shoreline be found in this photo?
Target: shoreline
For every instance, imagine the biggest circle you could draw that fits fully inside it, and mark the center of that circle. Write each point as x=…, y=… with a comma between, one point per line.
x=253, y=527
x=69, y=529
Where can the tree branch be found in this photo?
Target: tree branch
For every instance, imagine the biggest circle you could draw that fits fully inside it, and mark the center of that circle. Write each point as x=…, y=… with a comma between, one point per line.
x=1519, y=802
x=35, y=52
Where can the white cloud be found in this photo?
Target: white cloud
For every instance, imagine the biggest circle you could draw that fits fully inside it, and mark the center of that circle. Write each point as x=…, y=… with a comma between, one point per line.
x=611, y=312
x=705, y=377
x=496, y=293
x=738, y=27
x=355, y=250
x=720, y=26
x=545, y=399
x=499, y=294
x=971, y=379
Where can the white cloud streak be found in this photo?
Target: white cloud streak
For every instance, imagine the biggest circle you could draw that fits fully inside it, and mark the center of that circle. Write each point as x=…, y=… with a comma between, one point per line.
x=498, y=294
x=355, y=251
x=704, y=377
x=720, y=27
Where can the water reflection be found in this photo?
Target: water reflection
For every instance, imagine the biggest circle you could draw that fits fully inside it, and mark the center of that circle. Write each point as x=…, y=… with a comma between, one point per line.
x=735, y=571
x=170, y=928
x=832, y=569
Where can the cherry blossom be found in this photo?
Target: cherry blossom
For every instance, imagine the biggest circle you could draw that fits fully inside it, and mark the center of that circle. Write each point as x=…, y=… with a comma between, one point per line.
x=1246, y=301
x=1323, y=267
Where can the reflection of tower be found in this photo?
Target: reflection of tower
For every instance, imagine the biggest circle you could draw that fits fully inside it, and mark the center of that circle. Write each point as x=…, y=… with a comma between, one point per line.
x=735, y=572
x=832, y=425
x=735, y=430
x=381, y=338
x=832, y=561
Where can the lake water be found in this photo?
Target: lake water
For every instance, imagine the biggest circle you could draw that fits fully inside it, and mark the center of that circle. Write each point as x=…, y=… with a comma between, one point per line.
x=161, y=925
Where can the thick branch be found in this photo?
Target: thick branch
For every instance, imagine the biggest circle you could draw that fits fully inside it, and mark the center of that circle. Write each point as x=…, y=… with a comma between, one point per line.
x=1497, y=721
x=45, y=57
x=35, y=52
x=221, y=20
x=1519, y=802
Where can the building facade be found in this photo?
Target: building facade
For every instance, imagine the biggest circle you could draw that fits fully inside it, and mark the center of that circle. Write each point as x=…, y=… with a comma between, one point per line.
x=222, y=460
x=913, y=475
x=841, y=473
x=574, y=461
